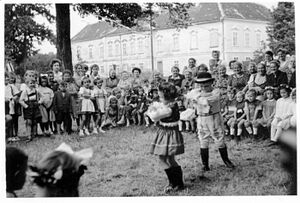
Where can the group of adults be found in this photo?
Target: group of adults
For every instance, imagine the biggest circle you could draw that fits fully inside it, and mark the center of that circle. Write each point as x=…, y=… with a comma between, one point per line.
x=269, y=72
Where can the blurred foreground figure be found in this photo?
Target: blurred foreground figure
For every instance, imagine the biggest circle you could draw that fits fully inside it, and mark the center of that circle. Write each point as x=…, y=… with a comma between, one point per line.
x=59, y=172
x=288, y=143
x=16, y=166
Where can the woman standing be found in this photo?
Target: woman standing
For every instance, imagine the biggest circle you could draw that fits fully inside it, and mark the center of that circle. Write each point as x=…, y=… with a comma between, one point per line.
x=137, y=80
x=55, y=65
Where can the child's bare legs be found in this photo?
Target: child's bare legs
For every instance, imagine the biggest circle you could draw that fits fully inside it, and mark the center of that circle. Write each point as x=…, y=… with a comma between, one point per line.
x=192, y=125
x=172, y=161
x=58, y=128
x=163, y=162
x=139, y=117
x=34, y=128
x=96, y=118
x=240, y=127
x=180, y=124
x=147, y=121
x=87, y=123
x=248, y=127
x=187, y=125
x=83, y=121
x=28, y=128
x=231, y=123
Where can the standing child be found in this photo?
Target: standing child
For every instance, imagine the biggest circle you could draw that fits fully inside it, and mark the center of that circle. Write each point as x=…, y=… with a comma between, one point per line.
x=168, y=140
x=228, y=113
x=30, y=100
x=100, y=95
x=210, y=122
x=62, y=108
x=268, y=109
x=238, y=116
x=87, y=106
x=152, y=97
x=47, y=98
x=252, y=108
x=283, y=112
x=141, y=105
x=94, y=74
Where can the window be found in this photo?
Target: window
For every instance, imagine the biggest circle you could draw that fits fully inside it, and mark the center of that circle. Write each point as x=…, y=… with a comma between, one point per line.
x=176, y=42
x=159, y=44
x=132, y=66
x=90, y=51
x=176, y=63
x=258, y=38
x=236, y=58
x=141, y=66
x=132, y=47
x=125, y=67
x=214, y=38
x=194, y=40
x=140, y=46
x=78, y=53
x=124, y=44
x=101, y=51
x=101, y=69
x=248, y=58
x=235, y=38
x=117, y=48
x=110, y=49
x=247, y=38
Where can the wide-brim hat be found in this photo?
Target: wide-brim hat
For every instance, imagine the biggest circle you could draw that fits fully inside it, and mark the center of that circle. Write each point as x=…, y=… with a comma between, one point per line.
x=136, y=68
x=204, y=77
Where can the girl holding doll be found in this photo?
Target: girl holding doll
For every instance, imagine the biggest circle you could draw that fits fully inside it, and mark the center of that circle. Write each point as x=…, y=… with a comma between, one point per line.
x=168, y=141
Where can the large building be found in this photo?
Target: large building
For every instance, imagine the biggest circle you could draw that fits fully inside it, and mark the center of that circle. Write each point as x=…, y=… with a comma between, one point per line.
x=235, y=29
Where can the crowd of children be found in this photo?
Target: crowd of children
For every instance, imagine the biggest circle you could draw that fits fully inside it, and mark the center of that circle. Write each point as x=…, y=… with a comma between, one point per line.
x=96, y=104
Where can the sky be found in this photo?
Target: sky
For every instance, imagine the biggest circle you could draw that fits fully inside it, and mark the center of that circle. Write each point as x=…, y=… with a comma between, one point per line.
x=78, y=23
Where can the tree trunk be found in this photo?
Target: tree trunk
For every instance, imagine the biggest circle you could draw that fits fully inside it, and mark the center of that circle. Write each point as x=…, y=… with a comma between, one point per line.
x=63, y=46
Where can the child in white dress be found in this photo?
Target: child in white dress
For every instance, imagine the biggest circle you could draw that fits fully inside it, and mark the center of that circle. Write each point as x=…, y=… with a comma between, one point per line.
x=285, y=108
x=87, y=106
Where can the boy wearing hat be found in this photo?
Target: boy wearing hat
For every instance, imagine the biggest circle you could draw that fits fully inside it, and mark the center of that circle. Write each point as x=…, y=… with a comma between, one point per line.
x=209, y=121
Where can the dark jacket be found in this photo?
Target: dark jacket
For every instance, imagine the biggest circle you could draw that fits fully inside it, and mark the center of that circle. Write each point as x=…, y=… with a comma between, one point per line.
x=61, y=103
x=292, y=82
x=177, y=81
x=274, y=80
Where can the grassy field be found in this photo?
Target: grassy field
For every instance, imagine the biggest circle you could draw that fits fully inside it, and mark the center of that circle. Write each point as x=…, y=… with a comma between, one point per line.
x=122, y=166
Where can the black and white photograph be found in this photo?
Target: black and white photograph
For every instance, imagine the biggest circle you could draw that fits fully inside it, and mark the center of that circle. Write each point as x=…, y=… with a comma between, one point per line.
x=149, y=99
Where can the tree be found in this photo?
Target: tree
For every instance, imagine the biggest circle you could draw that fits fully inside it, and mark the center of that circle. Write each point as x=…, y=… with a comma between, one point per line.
x=281, y=31
x=123, y=13
x=21, y=30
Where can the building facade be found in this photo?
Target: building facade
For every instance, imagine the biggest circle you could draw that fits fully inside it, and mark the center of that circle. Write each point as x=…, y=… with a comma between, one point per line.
x=235, y=29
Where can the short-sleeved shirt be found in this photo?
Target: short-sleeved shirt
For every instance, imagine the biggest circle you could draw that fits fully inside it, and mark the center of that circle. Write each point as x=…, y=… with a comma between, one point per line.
x=251, y=107
x=240, y=106
x=268, y=107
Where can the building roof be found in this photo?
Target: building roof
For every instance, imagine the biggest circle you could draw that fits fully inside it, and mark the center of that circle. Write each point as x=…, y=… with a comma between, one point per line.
x=202, y=13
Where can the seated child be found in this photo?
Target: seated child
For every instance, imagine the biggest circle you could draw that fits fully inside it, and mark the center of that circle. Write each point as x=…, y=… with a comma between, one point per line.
x=268, y=109
x=111, y=113
x=285, y=108
x=238, y=118
x=152, y=97
x=252, y=108
x=229, y=106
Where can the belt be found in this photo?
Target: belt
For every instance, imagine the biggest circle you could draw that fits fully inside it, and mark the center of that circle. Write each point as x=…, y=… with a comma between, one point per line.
x=171, y=124
x=207, y=114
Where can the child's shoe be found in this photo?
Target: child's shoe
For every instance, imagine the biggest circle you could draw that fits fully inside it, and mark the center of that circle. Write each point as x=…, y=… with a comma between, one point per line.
x=121, y=121
x=87, y=132
x=81, y=133
x=101, y=130
x=95, y=131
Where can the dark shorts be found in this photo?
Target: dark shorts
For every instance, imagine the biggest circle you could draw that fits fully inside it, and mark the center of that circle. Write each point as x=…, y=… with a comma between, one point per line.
x=32, y=112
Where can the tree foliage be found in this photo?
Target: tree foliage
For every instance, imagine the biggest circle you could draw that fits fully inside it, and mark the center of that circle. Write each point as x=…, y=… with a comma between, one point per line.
x=21, y=30
x=281, y=31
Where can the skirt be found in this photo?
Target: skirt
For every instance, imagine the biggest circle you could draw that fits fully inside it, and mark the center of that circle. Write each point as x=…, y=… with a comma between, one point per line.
x=167, y=142
x=87, y=106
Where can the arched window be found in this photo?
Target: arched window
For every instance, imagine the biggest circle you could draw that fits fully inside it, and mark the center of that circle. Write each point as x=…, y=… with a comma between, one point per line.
x=101, y=50
x=194, y=40
x=140, y=45
x=110, y=49
x=247, y=37
x=214, y=37
x=117, y=47
x=258, y=40
x=132, y=46
x=235, y=37
x=78, y=53
x=124, y=47
x=91, y=51
x=159, y=44
x=176, y=42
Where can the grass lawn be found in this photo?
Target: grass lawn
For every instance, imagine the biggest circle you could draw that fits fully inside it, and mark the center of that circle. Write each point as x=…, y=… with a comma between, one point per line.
x=122, y=166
